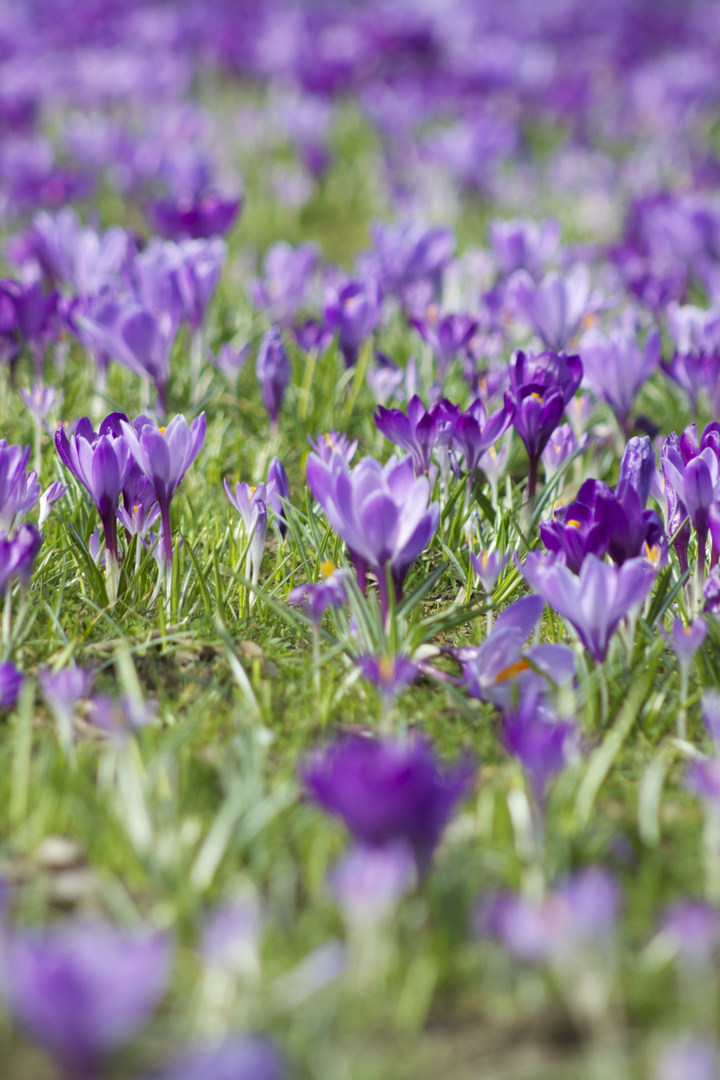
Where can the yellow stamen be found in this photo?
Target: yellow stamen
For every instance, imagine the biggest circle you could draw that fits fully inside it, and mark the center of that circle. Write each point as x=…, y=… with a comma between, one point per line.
x=161, y=430
x=573, y=524
x=536, y=396
x=387, y=668
x=653, y=553
x=485, y=555
x=328, y=568
x=253, y=490
x=589, y=320
x=511, y=671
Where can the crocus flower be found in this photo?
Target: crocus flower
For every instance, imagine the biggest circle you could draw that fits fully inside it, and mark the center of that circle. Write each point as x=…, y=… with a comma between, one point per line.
x=369, y=881
x=287, y=277
x=84, y=989
x=238, y=1058
x=352, y=310
x=331, y=443
x=595, y=601
x=522, y=244
x=404, y=256
x=615, y=369
x=229, y=360
x=390, y=674
x=710, y=702
x=561, y=447
x=540, y=388
x=580, y=913
x=542, y=744
x=688, y=1058
x=164, y=454
x=317, y=597
x=194, y=215
x=696, y=486
x=312, y=336
x=251, y=503
x=62, y=692
x=630, y=530
x=676, y=510
x=474, y=432
x=417, y=432
x=39, y=400
x=686, y=640
x=52, y=494
x=489, y=565
x=387, y=790
x=380, y=511
x=638, y=468
x=17, y=556
x=273, y=372
x=691, y=928
x=448, y=335
x=279, y=492
x=501, y=669
x=555, y=307
x=19, y=490
x=573, y=532
x=10, y=682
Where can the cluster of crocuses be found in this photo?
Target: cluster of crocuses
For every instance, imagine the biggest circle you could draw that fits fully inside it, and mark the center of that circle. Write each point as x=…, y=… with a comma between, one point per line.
x=141, y=462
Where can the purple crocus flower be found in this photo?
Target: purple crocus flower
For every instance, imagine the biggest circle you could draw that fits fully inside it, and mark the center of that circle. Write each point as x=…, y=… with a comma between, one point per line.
x=317, y=597
x=62, y=692
x=279, y=492
x=638, y=468
x=596, y=600
x=672, y=461
x=688, y=1058
x=390, y=674
x=691, y=928
x=696, y=485
x=562, y=445
x=229, y=360
x=489, y=565
x=312, y=336
x=387, y=789
x=231, y=935
x=555, y=307
x=369, y=881
x=615, y=369
x=448, y=335
x=540, y=388
x=501, y=670
x=352, y=310
x=521, y=244
x=252, y=503
x=164, y=454
x=273, y=372
x=238, y=1058
x=630, y=531
x=331, y=443
x=407, y=255
x=417, y=432
x=194, y=215
x=380, y=511
x=287, y=276
x=703, y=778
x=474, y=432
x=686, y=640
x=17, y=556
x=39, y=400
x=19, y=490
x=52, y=494
x=541, y=743
x=84, y=989
x=710, y=702
x=581, y=913
x=11, y=679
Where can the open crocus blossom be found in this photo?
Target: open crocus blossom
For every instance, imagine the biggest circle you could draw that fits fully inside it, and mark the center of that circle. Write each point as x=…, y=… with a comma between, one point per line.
x=19, y=490
x=251, y=503
x=84, y=989
x=101, y=461
x=386, y=790
x=417, y=432
x=596, y=600
x=555, y=307
x=164, y=454
x=380, y=511
x=615, y=368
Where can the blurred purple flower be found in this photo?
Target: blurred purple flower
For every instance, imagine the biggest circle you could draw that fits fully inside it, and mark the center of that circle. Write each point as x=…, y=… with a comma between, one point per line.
x=389, y=674
x=52, y=494
x=489, y=565
x=555, y=307
x=11, y=679
x=447, y=335
x=238, y=1058
x=331, y=443
x=19, y=490
x=691, y=928
x=284, y=288
x=686, y=640
x=229, y=360
x=368, y=882
x=542, y=744
x=251, y=503
x=194, y=215
x=273, y=372
x=688, y=1058
x=522, y=244
x=615, y=369
x=317, y=597
x=352, y=310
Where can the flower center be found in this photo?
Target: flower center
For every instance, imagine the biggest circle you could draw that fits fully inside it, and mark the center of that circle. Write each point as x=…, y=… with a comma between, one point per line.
x=511, y=671
x=328, y=568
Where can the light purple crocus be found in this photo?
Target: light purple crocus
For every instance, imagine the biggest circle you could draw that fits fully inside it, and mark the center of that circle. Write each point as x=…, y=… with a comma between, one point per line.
x=615, y=368
x=368, y=881
x=331, y=443
x=596, y=600
x=555, y=307
x=19, y=490
x=229, y=360
x=63, y=691
x=18, y=554
x=474, y=432
x=447, y=335
x=52, y=494
x=278, y=492
x=390, y=674
x=522, y=244
x=559, y=449
x=542, y=744
x=231, y=935
x=685, y=640
x=39, y=400
x=273, y=372
x=489, y=565
x=314, y=598
x=164, y=454
x=252, y=503
x=11, y=679
x=84, y=989
x=237, y=1058
x=380, y=511
x=688, y=1058
x=697, y=486
x=691, y=928
x=287, y=276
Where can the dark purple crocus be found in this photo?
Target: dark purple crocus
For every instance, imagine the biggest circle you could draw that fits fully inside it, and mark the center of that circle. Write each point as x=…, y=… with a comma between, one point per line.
x=28, y=320
x=540, y=388
x=18, y=554
x=101, y=461
x=596, y=600
x=638, y=468
x=11, y=679
x=194, y=215
x=164, y=454
x=630, y=530
x=380, y=511
x=448, y=335
x=474, y=431
x=84, y=989
x=352, y=311
x=238, y=1058
x=273, y=372
x=573, y=532
x=387, y=789
x=542, y=744
x=417, y=432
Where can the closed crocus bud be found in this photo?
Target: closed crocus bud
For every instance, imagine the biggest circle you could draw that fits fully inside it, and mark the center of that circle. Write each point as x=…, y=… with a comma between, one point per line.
x=273, y=371
x=637, y=468
x=279, y=492
x=10, y=682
